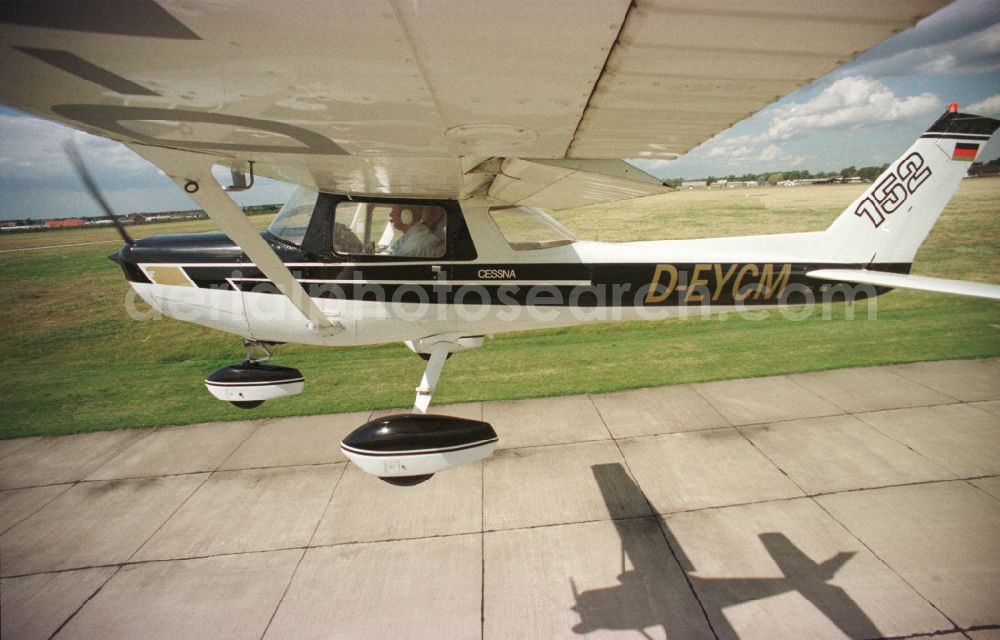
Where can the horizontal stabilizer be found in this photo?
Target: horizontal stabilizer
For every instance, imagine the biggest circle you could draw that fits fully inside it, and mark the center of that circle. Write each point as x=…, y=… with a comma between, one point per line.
x=907, y=281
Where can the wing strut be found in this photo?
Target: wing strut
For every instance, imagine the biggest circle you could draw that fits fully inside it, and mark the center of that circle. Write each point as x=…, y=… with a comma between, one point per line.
x=193, y=173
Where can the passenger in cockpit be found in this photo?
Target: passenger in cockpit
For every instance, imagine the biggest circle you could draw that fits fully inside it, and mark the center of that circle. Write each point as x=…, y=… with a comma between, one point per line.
x=418, y=241
x=434, y=219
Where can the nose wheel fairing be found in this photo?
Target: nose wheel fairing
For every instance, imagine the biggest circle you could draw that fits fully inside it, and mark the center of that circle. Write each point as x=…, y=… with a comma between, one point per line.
x=249, y=384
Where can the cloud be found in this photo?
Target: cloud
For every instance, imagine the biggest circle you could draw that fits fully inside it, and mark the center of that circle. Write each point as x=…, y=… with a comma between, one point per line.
x=963, y=38
x=848, y=102
x=32, y=153
x=37, y=179
x=988, y=107
x=771, y=152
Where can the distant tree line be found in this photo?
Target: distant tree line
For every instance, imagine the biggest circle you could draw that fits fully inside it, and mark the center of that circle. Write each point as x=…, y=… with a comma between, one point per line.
x=774, y=177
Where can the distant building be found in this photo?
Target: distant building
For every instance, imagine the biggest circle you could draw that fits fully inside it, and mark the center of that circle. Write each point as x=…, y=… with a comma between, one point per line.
x=979, y=170
x=694, y=184
x=68, y=223
x=25, y=227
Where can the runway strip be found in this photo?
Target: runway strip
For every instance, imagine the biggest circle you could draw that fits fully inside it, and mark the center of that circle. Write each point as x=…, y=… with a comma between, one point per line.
x=860, y=503
x=60, y=246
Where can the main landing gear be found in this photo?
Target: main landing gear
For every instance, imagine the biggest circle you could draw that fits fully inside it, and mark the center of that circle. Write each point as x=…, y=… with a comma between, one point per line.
x=407, y=449
x=249, y=384
x=403, y=449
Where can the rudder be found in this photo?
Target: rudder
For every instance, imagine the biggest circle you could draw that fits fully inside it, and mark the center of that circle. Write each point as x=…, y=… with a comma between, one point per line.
x=889, y=222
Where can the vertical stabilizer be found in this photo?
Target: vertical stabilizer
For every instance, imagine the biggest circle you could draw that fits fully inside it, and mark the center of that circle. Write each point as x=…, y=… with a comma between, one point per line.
x=888, y=223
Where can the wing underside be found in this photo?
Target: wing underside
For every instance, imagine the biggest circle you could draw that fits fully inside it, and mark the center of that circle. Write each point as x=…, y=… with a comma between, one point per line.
x=407, y=98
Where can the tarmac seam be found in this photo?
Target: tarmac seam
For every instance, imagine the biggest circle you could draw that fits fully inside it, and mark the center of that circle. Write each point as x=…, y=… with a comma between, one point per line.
x=288, y=586
x=208, y=471
x=900, y=442
x=661, y=525
x=706, y=400
x=812, y=497
x=500, y=450
x=889, y=566
x=84, y=603
x=917, y=382
x=257, y=424
x=482, y=549
x=972, y=484
x=652, y=514
x=308, y=546
x=208, y=476
x=932, y=634
x=954, y=400
x=69, y=485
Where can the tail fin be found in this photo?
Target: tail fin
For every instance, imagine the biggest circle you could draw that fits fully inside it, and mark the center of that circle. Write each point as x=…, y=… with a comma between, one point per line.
x=888, y=223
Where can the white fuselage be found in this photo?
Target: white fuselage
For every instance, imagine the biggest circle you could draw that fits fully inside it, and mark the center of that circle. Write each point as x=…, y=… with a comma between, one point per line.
x=520, y=283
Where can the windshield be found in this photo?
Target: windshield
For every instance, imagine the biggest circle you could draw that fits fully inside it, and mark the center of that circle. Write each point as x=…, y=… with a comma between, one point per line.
x=292, y=221
x=530, y=229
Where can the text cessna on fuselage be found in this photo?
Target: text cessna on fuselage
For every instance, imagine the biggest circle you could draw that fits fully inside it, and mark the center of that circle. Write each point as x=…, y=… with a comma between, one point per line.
x=496, y=274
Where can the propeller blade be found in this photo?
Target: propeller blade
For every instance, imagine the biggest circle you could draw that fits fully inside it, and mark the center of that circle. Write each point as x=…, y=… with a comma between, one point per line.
x=81, y=170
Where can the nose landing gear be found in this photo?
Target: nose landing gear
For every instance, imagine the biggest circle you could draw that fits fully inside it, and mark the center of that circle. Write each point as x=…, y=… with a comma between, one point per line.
x=251, y=383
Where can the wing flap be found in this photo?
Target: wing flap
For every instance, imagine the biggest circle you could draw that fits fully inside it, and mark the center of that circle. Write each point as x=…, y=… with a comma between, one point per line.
x=908, y=281
x=566, y=184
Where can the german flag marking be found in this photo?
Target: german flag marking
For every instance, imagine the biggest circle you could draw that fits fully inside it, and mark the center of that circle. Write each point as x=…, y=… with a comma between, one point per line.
x=965, y=151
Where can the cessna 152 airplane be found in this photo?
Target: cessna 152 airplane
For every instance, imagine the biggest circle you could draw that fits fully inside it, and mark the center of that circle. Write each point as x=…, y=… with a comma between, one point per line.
x=429, y=137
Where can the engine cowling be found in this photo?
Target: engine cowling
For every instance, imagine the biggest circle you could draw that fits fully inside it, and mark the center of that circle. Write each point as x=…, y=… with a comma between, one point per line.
x=407, y=449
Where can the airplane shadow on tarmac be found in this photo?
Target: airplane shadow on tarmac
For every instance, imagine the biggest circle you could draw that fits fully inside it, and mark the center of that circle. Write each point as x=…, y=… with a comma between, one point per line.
x=646, y=596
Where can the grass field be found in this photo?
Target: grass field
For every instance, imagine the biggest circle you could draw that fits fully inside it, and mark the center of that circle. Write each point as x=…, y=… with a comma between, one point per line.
x=76, y=362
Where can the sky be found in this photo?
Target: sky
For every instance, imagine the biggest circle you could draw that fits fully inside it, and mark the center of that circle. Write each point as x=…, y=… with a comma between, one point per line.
x=865, y=113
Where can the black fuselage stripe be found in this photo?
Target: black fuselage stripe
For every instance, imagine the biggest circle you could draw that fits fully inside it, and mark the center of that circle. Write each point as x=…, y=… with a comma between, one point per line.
x=608, y=285
x=956, y=136
x=417, y=452
x=254, y=384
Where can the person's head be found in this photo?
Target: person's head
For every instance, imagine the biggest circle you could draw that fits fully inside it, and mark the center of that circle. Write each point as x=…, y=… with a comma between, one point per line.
x=402, y=218
x=431, y=216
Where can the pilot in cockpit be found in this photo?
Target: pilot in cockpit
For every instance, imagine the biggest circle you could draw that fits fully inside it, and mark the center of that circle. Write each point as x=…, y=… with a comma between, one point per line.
x=419, y=239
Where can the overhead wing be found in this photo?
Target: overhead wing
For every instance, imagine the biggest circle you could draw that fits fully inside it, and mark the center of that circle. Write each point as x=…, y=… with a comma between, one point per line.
x=908, y=281
x=408, y=98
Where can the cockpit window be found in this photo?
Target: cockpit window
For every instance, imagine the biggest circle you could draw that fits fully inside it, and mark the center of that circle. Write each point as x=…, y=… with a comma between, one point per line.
x=292, y=221
x=388, y=229
x=530, y=229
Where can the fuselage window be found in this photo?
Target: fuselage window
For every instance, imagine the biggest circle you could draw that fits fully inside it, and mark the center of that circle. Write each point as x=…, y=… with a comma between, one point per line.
x=530, y=229
x=293, y=219
x=396, y=230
